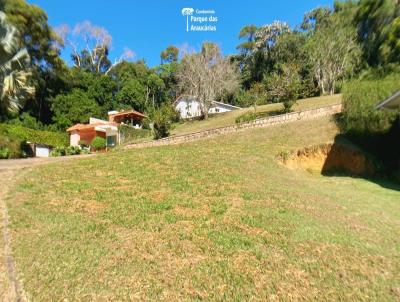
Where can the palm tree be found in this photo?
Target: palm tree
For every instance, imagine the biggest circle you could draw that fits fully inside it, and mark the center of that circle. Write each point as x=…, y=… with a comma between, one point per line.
x=14, y=76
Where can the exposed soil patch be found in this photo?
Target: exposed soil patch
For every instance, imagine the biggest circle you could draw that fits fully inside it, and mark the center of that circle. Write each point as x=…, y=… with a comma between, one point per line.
x=330, y=158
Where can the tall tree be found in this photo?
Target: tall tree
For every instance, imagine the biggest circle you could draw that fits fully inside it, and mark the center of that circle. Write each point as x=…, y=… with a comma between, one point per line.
x=36, y=34
x=169, y=55
x=90, y=46
x=379, y=30
x=334, y=53
x=43, y=46
x=248, y=33
x=14, y=73
x=205, y=76
x=258, y=62
x=285, y=85
x=315, y=18
x=74, y=107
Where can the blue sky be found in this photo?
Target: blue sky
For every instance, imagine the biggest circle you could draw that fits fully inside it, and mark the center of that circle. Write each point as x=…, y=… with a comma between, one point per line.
x=147, y=27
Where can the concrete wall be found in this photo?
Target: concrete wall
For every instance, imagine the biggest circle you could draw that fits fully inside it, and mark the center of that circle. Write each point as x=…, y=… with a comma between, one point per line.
x=259, y=123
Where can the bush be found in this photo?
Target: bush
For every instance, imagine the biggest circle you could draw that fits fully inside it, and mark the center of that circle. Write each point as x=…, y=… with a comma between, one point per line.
x=64, y=151
x=83, y=144
x=247, y=117
x=253, y=115
x=72, y=150
x=129, y=134
x=146, y=124
x=27, y=121
x=4, y=153
x=376, y=131
x=360, y=117
x=162, y=121
x=34, y=136
x=58, y=151
x=13, y=145
x=98, y=143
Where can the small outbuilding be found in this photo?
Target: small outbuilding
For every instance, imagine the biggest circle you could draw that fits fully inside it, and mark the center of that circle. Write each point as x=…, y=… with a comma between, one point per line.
x=38, y=150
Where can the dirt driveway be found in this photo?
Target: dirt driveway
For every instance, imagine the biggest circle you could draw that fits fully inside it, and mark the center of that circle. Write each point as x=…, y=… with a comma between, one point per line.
x=10, y=287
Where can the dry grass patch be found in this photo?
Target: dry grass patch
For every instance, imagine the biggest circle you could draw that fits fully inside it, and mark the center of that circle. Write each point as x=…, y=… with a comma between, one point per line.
x=215, y=220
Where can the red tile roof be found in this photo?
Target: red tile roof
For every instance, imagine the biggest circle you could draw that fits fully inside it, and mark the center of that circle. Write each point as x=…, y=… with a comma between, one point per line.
x=79, y=127
x=128, y=112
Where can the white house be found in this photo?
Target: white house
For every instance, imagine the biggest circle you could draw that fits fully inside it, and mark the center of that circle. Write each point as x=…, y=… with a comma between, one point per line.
x=190, y=108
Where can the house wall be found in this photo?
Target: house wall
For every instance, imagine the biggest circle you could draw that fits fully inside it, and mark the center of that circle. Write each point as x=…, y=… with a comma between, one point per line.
x=191, y=108
x=188, y=108
x=42, y=151
x=74, y=138
x=85, y=135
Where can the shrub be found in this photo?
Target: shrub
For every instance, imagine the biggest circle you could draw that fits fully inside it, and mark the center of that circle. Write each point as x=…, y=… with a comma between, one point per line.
x=27, y=121
x=64, y=151
x=129, y=134
x=83, y=144
x=72, y=150
x=98, y=143
x=162, y=121
x=285, y=86
x=4, y=153
x=34, y=136
x=360, y=117
x=58, y=151
x=247, y=117
x=253, y=115
x=146, y=124
x=374, y=130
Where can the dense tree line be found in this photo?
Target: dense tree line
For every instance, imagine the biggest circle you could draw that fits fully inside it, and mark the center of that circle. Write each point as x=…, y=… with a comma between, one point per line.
x=274, y=63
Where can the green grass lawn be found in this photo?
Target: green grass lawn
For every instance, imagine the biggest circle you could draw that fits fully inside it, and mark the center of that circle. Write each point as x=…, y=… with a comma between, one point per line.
x=216, y=220
x=227, y=119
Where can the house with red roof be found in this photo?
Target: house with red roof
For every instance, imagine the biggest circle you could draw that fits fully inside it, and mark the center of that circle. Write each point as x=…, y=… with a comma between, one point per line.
x=107, y=129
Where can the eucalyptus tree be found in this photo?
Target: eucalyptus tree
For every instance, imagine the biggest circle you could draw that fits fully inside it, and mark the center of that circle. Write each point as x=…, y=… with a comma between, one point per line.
x=90, y=46
x=334, y=53
x=14, y=72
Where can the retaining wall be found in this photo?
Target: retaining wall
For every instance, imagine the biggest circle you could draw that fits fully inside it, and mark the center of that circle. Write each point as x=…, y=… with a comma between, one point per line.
x=258, y=123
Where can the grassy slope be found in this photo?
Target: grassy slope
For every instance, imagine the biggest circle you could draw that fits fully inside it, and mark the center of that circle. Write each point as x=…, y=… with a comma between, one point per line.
x=217, y=219
x=226, y=119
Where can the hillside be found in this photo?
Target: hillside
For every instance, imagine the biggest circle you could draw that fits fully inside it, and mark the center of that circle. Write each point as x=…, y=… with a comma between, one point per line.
x=227, y=119
x=218, y=219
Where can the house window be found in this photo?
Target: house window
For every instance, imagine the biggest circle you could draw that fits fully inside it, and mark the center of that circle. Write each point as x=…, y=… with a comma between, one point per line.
x=111, y=141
